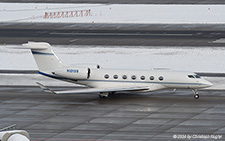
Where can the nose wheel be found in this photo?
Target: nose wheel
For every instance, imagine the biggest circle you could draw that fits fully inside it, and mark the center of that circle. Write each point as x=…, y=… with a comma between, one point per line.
x=196, y=95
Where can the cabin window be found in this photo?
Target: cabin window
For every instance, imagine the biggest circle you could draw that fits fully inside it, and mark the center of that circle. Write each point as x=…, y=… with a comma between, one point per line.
x=151, y=78
x=133, y=77
x=115, y=76
x=106, y=76
x=191, y=76
x=161, y=78
x=142, y=77
x=197, y=76
x=124, y=77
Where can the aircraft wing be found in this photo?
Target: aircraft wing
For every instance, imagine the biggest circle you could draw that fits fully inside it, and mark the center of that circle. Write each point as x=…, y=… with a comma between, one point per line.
x=92, y=90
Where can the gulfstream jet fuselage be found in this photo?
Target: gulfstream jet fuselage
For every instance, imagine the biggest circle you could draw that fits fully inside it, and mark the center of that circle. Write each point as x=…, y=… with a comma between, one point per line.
x=108, y=81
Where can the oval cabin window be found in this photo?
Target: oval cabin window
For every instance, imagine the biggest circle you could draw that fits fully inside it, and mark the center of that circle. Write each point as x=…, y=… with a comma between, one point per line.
x=124, y=77
x=106, y=76
x=161, y=78
x=115, y=76
x=133, y=77
x=151, y=77
x=142, y=77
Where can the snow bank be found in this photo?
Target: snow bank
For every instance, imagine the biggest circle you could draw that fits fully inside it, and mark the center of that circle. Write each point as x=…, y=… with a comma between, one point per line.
x=195, y=59
x=112, y=13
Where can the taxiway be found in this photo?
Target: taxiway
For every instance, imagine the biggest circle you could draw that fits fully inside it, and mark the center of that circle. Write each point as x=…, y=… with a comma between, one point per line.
x=114, y=34
x=153, y=116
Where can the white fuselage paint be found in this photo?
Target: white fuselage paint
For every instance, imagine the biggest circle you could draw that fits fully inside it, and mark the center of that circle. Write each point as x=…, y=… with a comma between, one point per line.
x=171, y=79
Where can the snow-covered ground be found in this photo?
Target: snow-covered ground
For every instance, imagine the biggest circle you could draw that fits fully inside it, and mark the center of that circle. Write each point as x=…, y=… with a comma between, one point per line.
x=112, y=13
x=196, y=59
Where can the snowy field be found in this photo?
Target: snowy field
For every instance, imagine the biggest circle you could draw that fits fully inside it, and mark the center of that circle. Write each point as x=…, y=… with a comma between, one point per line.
x=196, y=59
x=112, y=13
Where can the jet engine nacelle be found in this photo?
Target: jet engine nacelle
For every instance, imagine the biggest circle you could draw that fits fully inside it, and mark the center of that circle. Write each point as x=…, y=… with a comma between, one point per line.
x=73, y=73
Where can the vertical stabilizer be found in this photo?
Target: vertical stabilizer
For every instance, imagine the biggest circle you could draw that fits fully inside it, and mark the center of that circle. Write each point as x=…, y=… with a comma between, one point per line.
x=45, y=58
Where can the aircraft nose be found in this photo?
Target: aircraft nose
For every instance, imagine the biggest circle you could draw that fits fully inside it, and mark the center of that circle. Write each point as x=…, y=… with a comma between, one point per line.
x=208, y=84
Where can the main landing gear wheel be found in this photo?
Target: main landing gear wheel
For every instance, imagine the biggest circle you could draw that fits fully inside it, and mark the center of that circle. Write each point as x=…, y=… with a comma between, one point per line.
x=103, y=95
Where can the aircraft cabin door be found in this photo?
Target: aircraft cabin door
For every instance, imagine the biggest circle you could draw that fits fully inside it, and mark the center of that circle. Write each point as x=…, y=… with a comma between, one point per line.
x=89, y=73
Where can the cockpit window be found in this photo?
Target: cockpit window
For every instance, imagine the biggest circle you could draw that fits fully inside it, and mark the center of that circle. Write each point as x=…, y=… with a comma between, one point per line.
x=191, y=76
x=194, y=76
x=197, y=76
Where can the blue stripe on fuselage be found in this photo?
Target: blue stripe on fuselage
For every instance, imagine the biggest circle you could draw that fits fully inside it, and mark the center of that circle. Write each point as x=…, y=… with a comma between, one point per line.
x=171, y=83
x=56, y=77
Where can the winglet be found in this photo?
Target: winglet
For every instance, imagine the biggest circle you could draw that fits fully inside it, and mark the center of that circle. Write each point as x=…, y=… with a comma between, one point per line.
x=46, y=89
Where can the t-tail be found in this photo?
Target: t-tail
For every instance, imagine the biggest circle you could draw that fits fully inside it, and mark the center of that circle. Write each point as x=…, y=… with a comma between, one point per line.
x=49, y=64
x=44, y=56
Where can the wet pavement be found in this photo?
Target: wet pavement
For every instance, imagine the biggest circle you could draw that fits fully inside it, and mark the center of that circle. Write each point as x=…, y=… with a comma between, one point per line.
x=157, y=115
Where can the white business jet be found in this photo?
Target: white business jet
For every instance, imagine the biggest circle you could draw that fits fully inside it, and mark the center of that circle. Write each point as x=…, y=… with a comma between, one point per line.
x=108, y=81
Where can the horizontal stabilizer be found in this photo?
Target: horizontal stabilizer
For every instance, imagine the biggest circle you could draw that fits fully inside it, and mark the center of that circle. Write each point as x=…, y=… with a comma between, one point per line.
x=34, y=46
x=45, y=89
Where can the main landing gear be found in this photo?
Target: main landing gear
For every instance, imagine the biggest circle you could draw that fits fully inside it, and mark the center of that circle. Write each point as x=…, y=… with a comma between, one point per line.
x=196, y=95
x=104, y=95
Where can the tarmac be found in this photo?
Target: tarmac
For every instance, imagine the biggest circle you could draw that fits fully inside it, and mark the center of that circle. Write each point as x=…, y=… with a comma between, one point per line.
x=160, y=115
x=212, y=35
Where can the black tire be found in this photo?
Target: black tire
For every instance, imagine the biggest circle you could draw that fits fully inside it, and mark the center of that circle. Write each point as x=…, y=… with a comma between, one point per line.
x=196, y=96
x=102, y=97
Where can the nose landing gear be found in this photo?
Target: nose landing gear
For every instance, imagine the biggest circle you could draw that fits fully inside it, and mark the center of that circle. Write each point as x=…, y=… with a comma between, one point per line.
x=196, y=95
